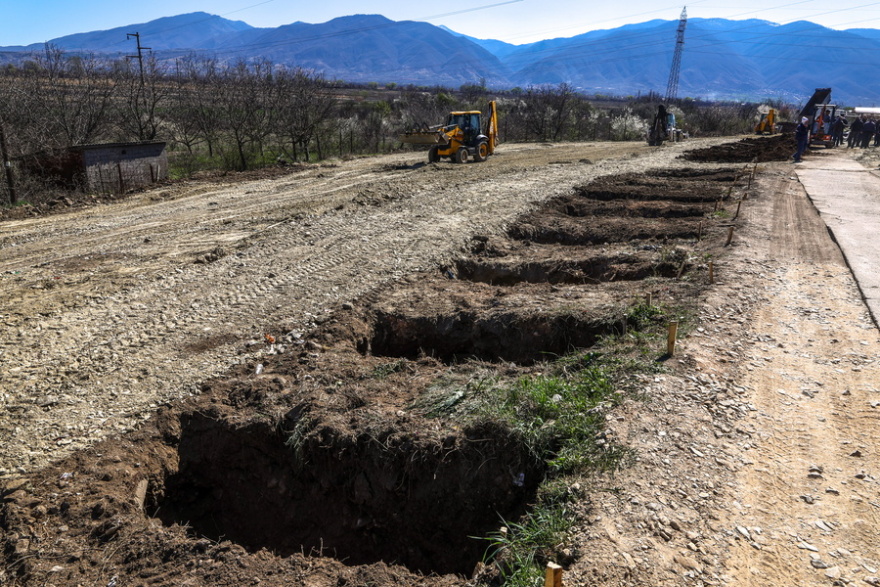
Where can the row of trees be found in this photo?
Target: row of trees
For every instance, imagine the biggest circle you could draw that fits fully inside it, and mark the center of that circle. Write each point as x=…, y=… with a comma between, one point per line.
x=244, y=115
x=232, y=115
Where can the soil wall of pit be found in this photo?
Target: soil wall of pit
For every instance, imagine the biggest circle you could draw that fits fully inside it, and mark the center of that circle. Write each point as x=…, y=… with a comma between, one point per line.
x=384, y=495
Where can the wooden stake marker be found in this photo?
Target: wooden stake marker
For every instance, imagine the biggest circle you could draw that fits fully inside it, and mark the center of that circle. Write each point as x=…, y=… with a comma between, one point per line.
x=738, y=204
x=729, y=236
x=711, y=271
x=553, y=576
x=670, y=338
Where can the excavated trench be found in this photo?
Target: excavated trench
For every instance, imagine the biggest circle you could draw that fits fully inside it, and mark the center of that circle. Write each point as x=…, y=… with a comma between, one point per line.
x=382, y=495
x=589, y=268
x=298, y=486
x=319, y=455
x=631, y=228
x=512, y=336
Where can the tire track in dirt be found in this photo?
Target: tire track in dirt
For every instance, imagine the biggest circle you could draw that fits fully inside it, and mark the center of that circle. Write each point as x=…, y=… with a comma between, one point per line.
x=812, y=519
x=109, y=349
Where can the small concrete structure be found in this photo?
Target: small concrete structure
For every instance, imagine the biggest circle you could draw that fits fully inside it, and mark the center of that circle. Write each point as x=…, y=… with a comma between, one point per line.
x=118, y=167
x=110, y=168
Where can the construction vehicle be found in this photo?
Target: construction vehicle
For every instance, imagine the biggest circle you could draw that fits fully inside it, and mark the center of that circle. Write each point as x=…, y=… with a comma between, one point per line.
x=462, y=137
x=767, y=123
x=820, y=113
x=664, y=128
x=659, y=129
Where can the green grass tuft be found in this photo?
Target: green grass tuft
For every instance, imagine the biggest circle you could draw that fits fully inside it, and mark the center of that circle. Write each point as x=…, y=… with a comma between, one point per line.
x=520, y=551
x=560, y=417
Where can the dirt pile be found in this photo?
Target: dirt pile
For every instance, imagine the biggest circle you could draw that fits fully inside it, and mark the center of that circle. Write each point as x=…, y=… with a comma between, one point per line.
x=759, y=149
x=342, y=461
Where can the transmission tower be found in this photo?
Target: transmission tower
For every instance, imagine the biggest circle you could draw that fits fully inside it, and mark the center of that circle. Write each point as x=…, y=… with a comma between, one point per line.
x=672, y=84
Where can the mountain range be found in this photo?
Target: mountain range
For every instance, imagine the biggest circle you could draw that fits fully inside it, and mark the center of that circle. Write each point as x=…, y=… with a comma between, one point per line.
x=721, y=59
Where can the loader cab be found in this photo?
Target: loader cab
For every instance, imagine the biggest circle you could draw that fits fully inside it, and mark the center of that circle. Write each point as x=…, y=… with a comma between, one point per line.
x=468, y=122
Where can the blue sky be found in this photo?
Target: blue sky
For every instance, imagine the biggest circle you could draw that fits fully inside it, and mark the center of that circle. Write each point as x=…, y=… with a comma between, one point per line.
x=516, y=21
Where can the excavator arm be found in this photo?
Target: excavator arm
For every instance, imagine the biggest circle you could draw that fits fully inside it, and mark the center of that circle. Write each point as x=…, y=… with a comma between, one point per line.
x=492, y=127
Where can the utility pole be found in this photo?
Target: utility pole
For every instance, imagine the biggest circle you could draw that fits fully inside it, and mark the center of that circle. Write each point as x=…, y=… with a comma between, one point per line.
x=672, y=84
x=140, y=55
x=7, y=165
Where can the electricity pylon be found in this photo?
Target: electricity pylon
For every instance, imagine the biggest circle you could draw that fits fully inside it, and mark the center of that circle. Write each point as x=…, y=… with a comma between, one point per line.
x=672, y=84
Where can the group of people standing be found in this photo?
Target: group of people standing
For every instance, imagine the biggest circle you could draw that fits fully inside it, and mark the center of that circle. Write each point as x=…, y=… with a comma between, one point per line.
x=863, y=131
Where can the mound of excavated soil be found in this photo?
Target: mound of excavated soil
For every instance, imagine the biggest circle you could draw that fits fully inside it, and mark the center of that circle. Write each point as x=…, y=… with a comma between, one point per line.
x=759, y=149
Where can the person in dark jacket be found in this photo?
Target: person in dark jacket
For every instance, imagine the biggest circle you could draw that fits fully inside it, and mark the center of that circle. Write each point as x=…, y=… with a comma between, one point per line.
x=868, y=129
x=837, y=128
x=855, y=133
x=802, y=134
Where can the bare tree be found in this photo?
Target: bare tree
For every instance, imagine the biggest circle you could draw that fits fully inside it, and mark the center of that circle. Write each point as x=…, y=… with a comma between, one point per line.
x=71, y=99
x=421, y=109
x=201, y=78
x=241, y=108
x=305, y=104
x=141, y=97
x=547, y=112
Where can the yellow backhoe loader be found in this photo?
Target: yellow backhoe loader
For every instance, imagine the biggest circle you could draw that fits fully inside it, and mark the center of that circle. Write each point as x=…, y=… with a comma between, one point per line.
x=461, y=138
x=767, y=124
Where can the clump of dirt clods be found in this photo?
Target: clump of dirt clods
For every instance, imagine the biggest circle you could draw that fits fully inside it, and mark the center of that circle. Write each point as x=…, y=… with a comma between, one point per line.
x=760, y=149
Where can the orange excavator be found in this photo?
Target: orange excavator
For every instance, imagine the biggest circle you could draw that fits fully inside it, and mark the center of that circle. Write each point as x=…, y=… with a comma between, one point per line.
x=463, y=137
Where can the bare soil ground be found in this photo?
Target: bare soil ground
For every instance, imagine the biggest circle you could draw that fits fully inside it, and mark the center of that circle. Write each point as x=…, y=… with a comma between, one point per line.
x=223, y=383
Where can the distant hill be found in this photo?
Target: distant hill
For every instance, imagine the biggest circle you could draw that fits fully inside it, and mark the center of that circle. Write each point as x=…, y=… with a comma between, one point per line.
x=367, y=48
x=723, y=59
x=173, y=32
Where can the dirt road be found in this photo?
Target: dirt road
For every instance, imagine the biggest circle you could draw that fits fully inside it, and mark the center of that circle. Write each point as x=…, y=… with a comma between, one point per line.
x=809, y=493
x=757, y=450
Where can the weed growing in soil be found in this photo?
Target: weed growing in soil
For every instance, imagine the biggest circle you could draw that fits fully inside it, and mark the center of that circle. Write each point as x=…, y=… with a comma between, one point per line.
x=384, y=370
x=643, y=315
x=450, y=396
x=640, y=348
x=559, y=417
x=520, y=551
x=296, y=439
